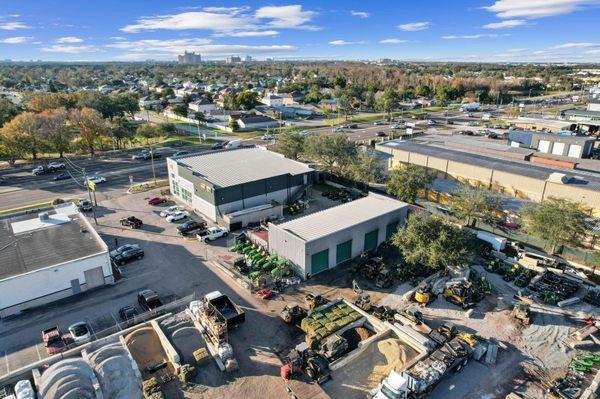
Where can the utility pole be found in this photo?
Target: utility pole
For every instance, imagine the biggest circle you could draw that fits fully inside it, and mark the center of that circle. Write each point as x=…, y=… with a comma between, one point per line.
x=85, y=179
x=152, y=162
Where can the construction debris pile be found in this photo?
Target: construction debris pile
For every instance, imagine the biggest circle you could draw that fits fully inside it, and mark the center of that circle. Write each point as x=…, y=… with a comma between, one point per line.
x=327, y=321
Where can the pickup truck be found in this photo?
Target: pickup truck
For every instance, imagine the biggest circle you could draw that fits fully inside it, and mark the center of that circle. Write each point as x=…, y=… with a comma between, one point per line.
x=53, y=341
x=212, y=234
x=233, y=314
x=132, y=222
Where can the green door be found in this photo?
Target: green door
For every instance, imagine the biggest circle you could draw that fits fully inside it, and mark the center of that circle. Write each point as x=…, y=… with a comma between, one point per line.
x=319, y=262
x=343, y=252
x=390, y=230
x=371, y=240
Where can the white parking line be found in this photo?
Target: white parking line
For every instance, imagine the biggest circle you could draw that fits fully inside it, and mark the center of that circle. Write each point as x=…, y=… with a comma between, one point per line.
x=91, y=329
x=38, y=352
x=116, y=321
x=7, y=365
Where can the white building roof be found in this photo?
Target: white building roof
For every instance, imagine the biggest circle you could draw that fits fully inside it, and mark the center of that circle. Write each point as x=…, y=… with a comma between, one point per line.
x=326, y=222
x=242, y=165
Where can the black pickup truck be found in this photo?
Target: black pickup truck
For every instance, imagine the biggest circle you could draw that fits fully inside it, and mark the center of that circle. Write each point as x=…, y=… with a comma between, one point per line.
x=131, y=221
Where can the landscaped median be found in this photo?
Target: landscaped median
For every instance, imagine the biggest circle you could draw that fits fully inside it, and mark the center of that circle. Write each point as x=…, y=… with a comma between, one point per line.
x=36, y=206
x=147, y=186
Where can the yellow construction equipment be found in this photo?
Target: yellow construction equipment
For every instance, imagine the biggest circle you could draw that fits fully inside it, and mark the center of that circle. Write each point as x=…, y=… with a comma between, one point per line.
x=363, y=301
x=522, y=312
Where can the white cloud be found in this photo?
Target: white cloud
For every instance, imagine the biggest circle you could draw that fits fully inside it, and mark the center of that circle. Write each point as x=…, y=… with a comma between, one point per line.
x=575, y=45
x=118, y=38
x=228, y=19
x=509, y=23
x=345, y=43
x=392, y=41
x=359, y=14
x=69, y=39
x=478, y=36
x=191, y=20
x=13, y=26
x=285, y=16
x=593, y=52
x=414, y=26
x=537, y=8
x=250, y=33
x=16, y=40
x=61, y=48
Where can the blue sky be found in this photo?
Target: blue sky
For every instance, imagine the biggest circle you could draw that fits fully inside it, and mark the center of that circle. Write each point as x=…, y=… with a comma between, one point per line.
x=440, y=30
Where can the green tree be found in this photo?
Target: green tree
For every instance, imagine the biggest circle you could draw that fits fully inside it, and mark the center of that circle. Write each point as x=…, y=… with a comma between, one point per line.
x=558, y=221
x=290, y=144
x=148, y=131
x=469, y=203
x=91, y=126
x=180, y=110
x=234, y=125
x=123, y=130
x=127, y=104
x=334, y=152
x=57, y=131
x=8, y=110
x=11, y=148
x=407, y=180
x=366, y=168
x=431, y=242
x=200, y=117
x=388, y=102
x=26, y=129
x=246, y=100
x=166, y=129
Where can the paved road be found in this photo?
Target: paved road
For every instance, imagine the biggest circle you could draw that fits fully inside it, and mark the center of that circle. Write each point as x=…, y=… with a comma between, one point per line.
x=22, y=188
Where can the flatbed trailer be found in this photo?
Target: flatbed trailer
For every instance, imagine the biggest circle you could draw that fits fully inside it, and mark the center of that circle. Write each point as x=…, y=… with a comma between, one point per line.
x=302, y=387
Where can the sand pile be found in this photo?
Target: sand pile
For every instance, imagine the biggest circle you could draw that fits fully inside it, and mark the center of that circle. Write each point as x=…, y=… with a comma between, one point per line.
x=370, y=367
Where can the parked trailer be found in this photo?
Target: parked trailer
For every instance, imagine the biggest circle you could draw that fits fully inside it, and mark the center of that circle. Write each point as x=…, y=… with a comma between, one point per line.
x=233, y=314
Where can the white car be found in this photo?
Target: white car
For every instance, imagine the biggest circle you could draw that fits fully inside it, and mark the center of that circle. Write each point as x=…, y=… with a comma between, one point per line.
x=97, y=179
x=267, y=137
x=175, y=216
x=56, y=165
x=212, y=233
x=80, y=331
x=170, y=210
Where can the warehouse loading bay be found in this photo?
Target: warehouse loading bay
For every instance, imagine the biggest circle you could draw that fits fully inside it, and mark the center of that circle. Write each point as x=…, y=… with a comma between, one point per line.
x=505, y=355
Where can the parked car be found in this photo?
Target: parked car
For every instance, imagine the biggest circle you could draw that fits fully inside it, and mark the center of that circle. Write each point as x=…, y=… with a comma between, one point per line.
x=382, y=134
x=53, y=341
x=149, y=300
x=56, y=165
x=190, y=225
x=157, y=201
x=378, y=123
x=175, y=216
x=128, y=255
x=212, y=233
x=40, y=170
x=127, y=313
x=353, y=126
x=80, y=332
x=96, y=179
x=131, y=221
x=84, y=205
x=170, y=210
x=267, y=137
x=218, y=146
x=180, y=153
x=233, y=144
x=122, y=249
x=62, y=176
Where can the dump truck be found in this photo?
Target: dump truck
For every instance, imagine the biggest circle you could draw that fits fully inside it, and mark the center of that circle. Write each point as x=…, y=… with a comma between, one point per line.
x=233, y=314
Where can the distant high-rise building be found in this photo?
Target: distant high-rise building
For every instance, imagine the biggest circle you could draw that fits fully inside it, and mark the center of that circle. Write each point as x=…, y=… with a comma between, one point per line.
x=248, y=58
x=233, y=59
x=189, y=58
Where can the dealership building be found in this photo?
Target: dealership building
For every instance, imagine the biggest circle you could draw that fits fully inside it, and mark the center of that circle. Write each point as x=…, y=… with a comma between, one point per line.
x=49, y=257
x=215, y=183
x=320, y=241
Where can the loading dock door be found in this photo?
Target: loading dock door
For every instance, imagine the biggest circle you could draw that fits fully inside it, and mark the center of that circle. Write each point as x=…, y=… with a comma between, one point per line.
x=544, y=146
x=319, y=262
x=371, y=240
x=343, y=252
x=558, y=148
x=574, y=150
x=94, y=277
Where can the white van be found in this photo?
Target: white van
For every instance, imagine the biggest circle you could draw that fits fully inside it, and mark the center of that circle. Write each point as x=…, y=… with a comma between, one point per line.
x=233, y=144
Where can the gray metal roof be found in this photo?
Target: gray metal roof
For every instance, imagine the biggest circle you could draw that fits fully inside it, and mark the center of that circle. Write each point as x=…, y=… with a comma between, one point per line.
x=329, y=221
x=242, y=165
x=43, y=247
x=517, y=167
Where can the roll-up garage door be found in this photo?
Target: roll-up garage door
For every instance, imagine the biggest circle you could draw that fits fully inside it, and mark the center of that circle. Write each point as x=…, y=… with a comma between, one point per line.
x=544, y=146
x=574, y=150
x=319, y=262
x=390, y=230
x=558, y=148
x=371, y=240
x=343, y=252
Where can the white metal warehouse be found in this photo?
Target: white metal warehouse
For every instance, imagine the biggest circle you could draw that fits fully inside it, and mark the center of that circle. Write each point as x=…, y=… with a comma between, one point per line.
x=323, y=240
x=48, y=257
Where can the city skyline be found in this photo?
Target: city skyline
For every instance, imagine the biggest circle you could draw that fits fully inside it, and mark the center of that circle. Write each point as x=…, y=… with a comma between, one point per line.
x=487, y=31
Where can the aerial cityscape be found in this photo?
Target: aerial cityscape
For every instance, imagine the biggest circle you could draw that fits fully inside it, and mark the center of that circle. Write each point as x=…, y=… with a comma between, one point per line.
x=303, y=200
